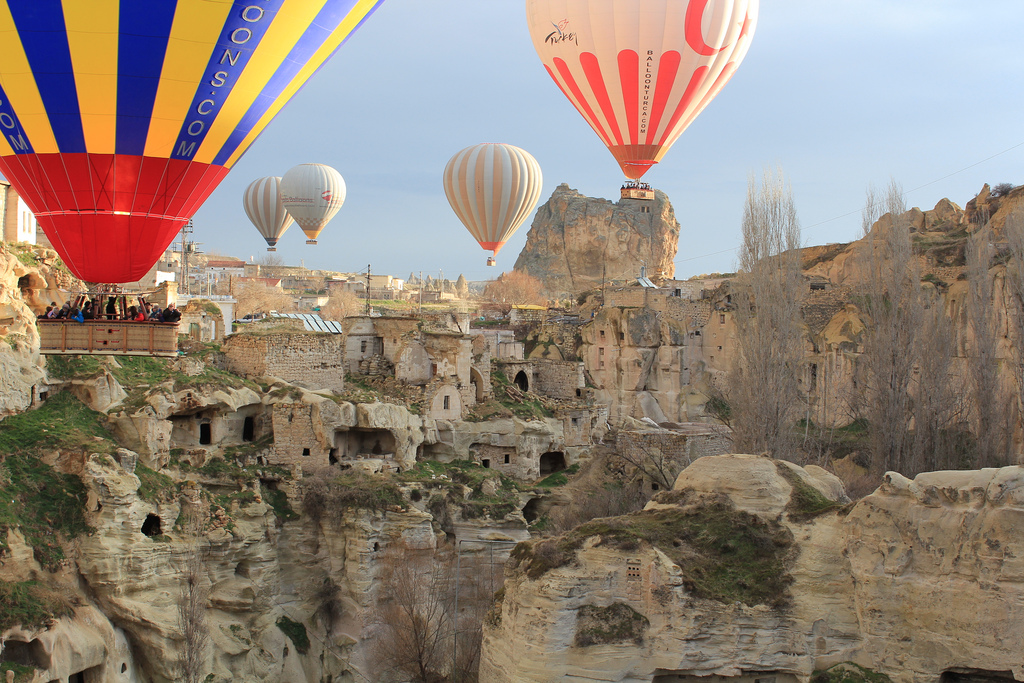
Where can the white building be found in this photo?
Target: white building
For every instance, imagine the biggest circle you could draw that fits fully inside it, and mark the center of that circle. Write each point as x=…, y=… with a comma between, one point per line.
x=18, y=221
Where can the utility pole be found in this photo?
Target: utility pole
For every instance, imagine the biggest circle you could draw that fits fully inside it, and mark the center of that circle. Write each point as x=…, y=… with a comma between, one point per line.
x=186, y=230
x=420, y=311
x=367, y=289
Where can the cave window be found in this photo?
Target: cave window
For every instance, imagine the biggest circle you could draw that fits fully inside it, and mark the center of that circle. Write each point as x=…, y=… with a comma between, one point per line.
x=552, y=462
x=579, y=393
x=602, y=334
x=721, y=318
x=305, y=451
x=814, y=375
x=248, y=428
x=486, y=463
x=43, y=395
x=447, y=402
x=622, y=336
x=332, y=456
x=204, y=434
x=575, y=422
x=507, y=458
x=151, y=527
x=654, y=486
x=362, y=346
x=124, y=667
x=376, y=547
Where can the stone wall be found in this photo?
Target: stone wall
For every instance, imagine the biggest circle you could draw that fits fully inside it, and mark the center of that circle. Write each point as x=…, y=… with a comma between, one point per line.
x=311, y=359
x=558, y=379
x=295, y=438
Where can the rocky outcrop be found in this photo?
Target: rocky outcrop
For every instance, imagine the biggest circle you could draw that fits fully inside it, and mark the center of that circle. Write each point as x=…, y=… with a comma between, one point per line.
x=578, y=242
x=919, y=578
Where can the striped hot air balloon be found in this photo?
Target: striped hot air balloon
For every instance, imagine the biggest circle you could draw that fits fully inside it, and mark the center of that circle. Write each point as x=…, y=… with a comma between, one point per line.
x=313, y=194
x=492, y=188
x=118, y=118
x=262, y=203
x=641, y=72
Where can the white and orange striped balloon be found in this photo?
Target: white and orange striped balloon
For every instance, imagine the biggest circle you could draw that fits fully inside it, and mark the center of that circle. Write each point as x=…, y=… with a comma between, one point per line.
x=312, y=194
x=262, y=203
x=641, y=71
x=492, y=188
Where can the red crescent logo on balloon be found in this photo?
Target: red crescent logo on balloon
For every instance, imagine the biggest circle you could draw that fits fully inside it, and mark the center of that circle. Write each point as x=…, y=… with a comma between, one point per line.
x=326, y=195
x=695, y=32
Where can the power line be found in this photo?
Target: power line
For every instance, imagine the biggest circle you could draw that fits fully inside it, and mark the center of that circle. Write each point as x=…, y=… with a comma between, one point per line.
x=856, y=211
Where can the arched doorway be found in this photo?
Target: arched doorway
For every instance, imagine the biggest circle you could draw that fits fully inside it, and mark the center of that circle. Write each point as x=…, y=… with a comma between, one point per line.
x=478, y=384
x=552, y=462
x=522, y=381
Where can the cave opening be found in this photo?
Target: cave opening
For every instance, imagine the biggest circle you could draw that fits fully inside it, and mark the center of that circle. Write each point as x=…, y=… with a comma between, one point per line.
x=151, y=527
x=552, y=462
x=531, y=511
x=205, y=435
x=248, y=428
x=975, y=676
x=522, y=381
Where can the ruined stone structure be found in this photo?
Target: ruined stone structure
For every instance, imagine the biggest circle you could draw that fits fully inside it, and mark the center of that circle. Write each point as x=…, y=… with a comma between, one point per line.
x=576, y=243
x=313, y=359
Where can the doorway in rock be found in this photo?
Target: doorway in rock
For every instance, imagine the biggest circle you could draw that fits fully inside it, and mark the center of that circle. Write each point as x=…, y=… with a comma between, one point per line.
x=205, y=434
x=552, y=462
x=248, y=428
x=976, y=676
x=522, y=381
x=477, y=380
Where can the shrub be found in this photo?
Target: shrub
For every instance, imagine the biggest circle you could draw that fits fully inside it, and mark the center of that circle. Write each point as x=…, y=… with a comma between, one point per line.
x=296, y=632
x=617, y=623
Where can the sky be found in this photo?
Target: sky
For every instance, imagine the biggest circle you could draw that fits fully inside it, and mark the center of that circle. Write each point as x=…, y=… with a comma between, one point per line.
x=839, y=94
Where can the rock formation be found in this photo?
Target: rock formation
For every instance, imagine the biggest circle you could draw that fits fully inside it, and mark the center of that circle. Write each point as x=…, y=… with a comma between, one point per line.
x=919, y=578
x=578, y=242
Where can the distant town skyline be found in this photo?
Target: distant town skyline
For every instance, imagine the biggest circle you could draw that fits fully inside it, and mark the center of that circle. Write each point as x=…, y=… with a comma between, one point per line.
x=838, y=95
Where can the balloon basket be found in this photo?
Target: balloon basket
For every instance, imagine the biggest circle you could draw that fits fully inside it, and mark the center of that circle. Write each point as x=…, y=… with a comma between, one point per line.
x=491, y=261
x=310, y=241
x=271, y=248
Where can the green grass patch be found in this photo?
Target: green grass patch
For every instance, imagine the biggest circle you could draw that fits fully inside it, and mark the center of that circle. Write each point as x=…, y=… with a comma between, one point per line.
x=848, y=672
x=726, y=554
x=71, y=367
x=60, y=423
x=558, y=478
x=22, y=673
x=154, y=486
x=30, y=605
x=278, y=500
x=47, y=505
x=296, y=632
x=617, y=623
x=350, y=491
x=805, y=501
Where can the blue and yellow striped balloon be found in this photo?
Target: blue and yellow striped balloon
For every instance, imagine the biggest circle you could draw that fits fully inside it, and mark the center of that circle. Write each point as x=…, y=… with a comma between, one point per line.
x=118, y=118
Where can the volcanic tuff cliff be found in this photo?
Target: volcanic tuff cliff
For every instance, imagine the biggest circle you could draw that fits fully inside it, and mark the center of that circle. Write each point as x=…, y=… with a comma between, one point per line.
x=578, y=242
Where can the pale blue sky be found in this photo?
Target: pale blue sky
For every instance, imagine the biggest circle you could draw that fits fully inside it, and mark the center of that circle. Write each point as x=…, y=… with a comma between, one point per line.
x=840, y=94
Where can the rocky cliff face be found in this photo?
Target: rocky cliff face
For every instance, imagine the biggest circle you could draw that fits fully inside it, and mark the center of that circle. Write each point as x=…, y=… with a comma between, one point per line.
x=576, y=242
x=919, y=578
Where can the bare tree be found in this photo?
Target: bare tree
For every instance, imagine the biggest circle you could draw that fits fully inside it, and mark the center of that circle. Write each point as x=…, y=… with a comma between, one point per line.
x=1014, y=234
x=514, y=288
x=192, y=602
x=892, y=305
x=939, y=405
x=764, y=384
x=257, y=297
x=342, y=304
x=990, y=398
x=414, y=613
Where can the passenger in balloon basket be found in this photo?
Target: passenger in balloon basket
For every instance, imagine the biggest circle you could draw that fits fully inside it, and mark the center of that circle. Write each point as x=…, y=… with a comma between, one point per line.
x=63, y=312
x=52, y=311
x=88, y=312
x=111, y=310
x=171, y=314
x=76, y=314
x=46, y=313
x=156, y=315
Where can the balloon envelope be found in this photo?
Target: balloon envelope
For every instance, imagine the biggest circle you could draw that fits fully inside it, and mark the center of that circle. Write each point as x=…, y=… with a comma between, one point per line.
x=312, y=193
x=119, y=118
x=262, y=203
x=492, y=188
x=641, y=71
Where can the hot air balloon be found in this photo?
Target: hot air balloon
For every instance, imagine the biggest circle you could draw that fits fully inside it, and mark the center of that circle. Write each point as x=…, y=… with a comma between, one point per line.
x=492, y=188
x=312, y=193
x=641, y=72
x=262, y=203
x=119, y=118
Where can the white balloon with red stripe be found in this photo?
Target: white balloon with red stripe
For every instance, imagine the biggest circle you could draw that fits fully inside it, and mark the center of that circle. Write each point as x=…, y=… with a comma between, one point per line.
x=640, y=71
x=312, y=194
x=493, y=188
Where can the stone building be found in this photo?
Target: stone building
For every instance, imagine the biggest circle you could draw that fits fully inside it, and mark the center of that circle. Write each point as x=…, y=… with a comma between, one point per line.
x=310, y=359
